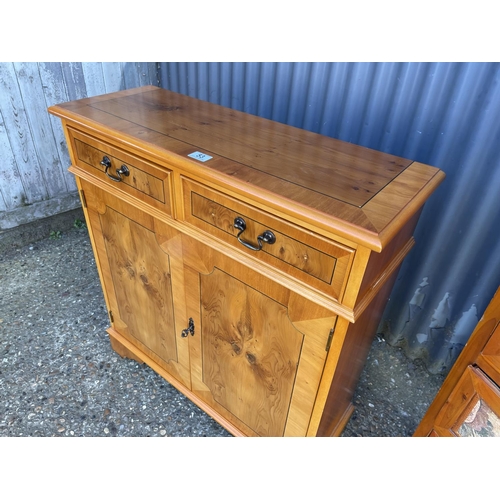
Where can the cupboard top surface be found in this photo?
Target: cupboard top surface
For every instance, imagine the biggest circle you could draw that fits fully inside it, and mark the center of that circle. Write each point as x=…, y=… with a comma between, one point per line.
x=362, y=194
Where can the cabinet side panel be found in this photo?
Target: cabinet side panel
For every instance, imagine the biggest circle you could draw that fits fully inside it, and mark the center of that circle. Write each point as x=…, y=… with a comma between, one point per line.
x=351, y=360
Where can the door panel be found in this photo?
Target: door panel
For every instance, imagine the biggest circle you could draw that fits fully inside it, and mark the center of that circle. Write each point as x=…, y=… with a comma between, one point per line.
x=250, y=352
x=137, y=279
x=141, y=277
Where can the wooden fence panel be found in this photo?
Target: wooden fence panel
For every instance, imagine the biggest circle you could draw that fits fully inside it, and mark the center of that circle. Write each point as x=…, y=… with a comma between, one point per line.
x=34, y=182
x=20, y=138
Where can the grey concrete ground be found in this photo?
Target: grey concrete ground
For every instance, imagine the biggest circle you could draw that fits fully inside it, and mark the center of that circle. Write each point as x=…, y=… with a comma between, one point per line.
x=60, y=377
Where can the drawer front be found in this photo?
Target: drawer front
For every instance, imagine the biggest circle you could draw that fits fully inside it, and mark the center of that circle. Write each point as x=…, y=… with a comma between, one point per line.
x=302, y=254
x=124, y=171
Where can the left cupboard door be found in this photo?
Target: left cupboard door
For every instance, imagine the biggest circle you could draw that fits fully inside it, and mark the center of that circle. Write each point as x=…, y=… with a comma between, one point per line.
x=140, y=269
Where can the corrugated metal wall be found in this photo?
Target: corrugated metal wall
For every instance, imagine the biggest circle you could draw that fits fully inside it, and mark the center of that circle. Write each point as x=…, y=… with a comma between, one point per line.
x=34, y=182
x=443, y=114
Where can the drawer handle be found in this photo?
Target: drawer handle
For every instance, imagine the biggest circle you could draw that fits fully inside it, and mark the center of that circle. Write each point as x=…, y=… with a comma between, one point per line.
x=123, y=170
x=266, y=237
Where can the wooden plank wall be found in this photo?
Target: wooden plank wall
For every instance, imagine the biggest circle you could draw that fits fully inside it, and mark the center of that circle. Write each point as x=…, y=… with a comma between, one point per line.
x=34, y=182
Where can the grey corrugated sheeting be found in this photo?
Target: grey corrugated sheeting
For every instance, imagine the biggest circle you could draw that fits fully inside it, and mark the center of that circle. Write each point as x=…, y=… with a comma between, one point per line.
x=443, y=114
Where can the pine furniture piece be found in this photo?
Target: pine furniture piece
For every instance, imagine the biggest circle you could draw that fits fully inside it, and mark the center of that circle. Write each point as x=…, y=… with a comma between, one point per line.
x=468, y=402
x=246, y=261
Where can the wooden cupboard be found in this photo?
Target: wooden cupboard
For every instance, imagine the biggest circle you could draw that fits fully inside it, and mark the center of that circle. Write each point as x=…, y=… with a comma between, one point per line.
x=246, y=261
x=468, y=403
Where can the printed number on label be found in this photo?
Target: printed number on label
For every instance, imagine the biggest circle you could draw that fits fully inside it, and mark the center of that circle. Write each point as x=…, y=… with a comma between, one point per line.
x=200, y=156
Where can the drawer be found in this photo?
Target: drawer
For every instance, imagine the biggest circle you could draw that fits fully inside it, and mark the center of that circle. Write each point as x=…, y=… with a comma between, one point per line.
x=140, y=178
x=300, y=253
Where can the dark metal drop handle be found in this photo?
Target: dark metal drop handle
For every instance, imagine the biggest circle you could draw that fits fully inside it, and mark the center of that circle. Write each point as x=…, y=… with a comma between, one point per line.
x=123, y=170
x=189, y=329
x=266, y=237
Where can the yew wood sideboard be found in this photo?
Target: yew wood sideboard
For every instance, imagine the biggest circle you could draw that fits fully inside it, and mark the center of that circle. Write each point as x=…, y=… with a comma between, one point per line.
x=246, y=261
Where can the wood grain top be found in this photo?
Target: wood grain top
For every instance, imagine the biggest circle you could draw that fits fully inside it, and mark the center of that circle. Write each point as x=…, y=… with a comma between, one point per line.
x=358, y=193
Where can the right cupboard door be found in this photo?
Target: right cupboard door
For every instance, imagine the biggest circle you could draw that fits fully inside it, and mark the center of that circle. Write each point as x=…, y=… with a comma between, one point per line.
x=259, y=349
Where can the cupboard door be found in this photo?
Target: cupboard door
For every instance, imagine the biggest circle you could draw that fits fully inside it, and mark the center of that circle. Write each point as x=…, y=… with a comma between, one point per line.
x=258, y=350
x=251, y=352
x=137, y=275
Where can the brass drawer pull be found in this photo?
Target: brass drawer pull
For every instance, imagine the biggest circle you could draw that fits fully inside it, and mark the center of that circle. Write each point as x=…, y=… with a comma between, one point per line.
x=123, y=170
x=266, y=237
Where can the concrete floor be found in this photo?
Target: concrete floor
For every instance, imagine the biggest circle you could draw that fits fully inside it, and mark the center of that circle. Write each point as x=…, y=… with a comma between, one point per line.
x=60, y=377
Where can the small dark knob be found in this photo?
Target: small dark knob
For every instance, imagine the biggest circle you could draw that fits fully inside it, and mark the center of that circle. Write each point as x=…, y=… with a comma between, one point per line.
x=106, y=162
x=189, y=329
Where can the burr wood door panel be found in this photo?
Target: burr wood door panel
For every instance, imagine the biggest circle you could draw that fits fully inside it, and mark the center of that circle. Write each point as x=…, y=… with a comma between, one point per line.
x=137, y=274
x=248, y=342
x=258, y=351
